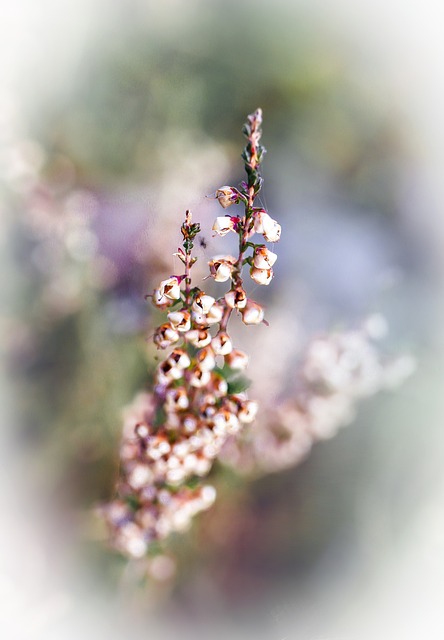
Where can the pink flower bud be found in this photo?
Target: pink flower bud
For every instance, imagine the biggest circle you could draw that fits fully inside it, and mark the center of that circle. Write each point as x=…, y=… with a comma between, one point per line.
x=181, y=255
x=203, y=303
x=236, y=400
x=198, y=337
x=170, y=288
x=130, y=540
x=176, y=399
x=167, y=372
x=207, y=409
x=272, y=229
x=189, y=423
x=257, y=218
x=264, y=258
x=263, y=223
x=180, y=358
x=199, y=378
x=227, y=196
x=160, y=301
x=158, y=446
x=219, y=386
x=222, y=344
x=207, y=496
x=215, y=314
x=225, y=422
x=142, y=430
x=203, y=466
x=236, y=298
x=237, y=359
x=180, y=320
x=223, y=225
x=175, y=476
x=221, y=267
x=205, y=359
x=252, y=313
x=181, y=449
x=140, y=476
x=165, y=336
x=261, y=276
x=248, y=411
x=199, y=319
x=189, y=462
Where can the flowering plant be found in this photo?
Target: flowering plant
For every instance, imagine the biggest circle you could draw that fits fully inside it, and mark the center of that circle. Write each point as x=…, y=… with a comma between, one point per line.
x=198, y=407
x=172, y=436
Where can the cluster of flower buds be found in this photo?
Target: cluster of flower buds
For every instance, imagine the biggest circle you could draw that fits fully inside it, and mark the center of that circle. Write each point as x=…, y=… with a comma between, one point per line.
x=336, y=370
x=262, y=258
x=153, y=501
x=255, y=221
x=173, y=436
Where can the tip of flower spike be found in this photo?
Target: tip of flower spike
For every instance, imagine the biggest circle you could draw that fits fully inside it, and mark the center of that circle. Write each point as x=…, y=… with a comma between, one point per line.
x=257, y=115
x=255, y=118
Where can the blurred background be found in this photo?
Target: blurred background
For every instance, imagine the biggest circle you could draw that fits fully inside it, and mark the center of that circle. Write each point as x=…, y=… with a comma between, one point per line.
x=116, y=117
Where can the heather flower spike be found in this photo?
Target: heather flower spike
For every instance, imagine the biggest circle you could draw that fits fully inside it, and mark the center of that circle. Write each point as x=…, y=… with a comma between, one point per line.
x=173, y=434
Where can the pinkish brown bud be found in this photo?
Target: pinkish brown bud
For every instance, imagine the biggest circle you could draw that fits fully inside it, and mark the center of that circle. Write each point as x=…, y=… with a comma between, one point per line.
x=180, y=320
x=222, y=344
x=165, y=336
x=158, y=446
x=236, y=298
x=225, y=422
x=248, y=411
x=198, y=337
x=263, y=223
x=264, y=258
x=261, y=276
x=179, y=358
x=181, y=255
x=176, y=399
x=170, y=288
x=252, y=313
x=189, y=423
x=221, y=267
x=205, y=359
x=199, y=319
x=237, y=359
x=199, y=378
x=219, y=386
x=160, y=301
x=223, y=225
x=227, y=196
x=203, y=303
x=167, y=372
x=215, y=314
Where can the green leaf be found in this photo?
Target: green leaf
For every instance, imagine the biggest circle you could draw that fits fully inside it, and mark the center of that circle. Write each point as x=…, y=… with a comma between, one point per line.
x=133, y=502
x=159, y=417
x=193, y=482
x=239, y=384
x=155, y=548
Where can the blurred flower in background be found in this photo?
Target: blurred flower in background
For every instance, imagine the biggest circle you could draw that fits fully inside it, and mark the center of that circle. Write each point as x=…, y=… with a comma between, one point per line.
x=114, y=119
